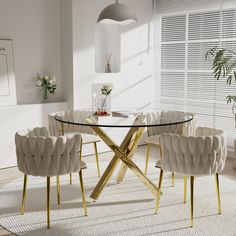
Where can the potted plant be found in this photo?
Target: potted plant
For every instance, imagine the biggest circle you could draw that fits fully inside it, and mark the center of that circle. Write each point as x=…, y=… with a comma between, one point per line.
x=224, y=65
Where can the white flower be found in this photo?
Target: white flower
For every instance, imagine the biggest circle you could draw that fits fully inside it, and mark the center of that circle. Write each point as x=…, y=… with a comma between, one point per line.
x=38, y=83
x=106, y=89
x=46, y=77
x=52, y=80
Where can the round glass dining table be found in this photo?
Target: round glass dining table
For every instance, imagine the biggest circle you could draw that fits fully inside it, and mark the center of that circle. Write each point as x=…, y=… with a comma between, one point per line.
x=135, y=121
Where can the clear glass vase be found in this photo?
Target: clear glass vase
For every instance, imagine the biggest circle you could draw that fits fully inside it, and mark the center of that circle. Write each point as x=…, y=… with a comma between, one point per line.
x=44, y=95
x=104, y=105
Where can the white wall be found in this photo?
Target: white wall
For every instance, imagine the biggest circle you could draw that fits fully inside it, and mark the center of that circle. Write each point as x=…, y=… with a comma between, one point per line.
x=67, y=52
x=42, y=41
x=34, y=27
x=19, y=117
x=133, y=86
x=57, y=36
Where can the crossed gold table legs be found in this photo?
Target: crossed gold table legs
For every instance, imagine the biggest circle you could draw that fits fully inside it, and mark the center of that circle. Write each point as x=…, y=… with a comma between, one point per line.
x=124, y=152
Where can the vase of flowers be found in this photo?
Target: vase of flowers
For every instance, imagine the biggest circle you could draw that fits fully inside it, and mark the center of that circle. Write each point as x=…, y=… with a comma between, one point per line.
x=104, y=107
x=48, y=85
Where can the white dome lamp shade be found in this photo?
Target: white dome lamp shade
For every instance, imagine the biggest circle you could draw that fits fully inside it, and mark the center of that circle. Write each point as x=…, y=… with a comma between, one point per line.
x=117, y=13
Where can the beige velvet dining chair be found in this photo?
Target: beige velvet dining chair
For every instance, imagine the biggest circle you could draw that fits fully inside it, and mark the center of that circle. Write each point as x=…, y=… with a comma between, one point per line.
x=199, y=155
x=89, y=137
x=39, y=154
x=153, y=133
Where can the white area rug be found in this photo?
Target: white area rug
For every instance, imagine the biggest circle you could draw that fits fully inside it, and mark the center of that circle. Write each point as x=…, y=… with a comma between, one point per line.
x=122, y=209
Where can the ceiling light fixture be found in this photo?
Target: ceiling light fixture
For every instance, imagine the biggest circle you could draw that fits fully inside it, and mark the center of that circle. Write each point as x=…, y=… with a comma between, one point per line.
x=117, y=13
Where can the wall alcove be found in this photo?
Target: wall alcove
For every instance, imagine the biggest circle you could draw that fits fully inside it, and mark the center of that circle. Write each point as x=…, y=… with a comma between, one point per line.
x=107, y=45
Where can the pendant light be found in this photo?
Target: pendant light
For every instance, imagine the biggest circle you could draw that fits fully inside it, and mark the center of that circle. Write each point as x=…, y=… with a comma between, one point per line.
x=117, y=13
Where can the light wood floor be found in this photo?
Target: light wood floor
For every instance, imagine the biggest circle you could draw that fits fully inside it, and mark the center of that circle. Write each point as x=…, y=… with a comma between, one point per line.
x=10, y=174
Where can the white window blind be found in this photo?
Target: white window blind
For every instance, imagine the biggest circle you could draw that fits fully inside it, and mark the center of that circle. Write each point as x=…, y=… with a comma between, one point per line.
x=186, y=30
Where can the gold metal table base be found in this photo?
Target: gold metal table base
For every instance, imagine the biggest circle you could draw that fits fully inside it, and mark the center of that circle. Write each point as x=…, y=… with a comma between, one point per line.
x=124, y=152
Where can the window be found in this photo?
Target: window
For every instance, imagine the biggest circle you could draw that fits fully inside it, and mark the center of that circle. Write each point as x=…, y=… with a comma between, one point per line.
x=185, y=30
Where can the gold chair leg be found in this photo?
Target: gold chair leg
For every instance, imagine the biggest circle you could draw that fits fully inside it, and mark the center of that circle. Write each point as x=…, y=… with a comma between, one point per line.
x=82, y=192
x=24, y=195
x=159, y=191
x=58, y=191
x=191, y=200
x=218, y=193
x=147, y=158
x=70, y=179
x=173, y=179
x=96, y=156
x=185, y=188
x=48, y=202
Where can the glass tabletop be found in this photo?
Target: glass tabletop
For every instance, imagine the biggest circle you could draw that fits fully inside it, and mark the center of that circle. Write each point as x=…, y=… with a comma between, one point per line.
x=124, y=118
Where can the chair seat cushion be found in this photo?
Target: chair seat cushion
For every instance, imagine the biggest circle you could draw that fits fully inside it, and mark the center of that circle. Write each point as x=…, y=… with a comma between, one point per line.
x=86, y=138
x=155, y=139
